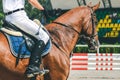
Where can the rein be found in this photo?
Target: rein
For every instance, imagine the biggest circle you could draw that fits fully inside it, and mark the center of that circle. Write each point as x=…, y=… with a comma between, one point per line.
x=57, y=45
x=66, y=26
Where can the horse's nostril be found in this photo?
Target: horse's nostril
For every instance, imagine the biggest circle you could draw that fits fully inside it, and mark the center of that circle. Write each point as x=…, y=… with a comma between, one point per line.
x=92, y=48
x=92, y=45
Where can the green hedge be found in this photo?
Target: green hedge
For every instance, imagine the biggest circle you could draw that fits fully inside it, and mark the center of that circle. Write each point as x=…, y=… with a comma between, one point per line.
x=1, y=18
x=101, y=50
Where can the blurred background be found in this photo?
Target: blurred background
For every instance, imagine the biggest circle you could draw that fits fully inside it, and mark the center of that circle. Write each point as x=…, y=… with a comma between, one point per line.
x=108, y=16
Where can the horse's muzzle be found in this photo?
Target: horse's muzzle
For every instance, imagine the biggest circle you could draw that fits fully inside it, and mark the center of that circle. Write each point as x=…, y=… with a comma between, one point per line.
x=93, y=45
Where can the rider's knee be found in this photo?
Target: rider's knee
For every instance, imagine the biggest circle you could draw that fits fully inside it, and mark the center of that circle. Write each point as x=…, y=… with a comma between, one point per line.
x=46, y=38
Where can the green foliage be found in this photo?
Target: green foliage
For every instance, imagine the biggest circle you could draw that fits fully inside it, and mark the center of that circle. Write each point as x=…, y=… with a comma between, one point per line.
x=101, y=50
x=1, y=13
x=31, y=11
x=35, y=13
x=1, y=17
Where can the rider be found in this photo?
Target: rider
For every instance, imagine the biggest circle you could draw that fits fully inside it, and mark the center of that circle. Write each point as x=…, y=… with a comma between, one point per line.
x=15, y=14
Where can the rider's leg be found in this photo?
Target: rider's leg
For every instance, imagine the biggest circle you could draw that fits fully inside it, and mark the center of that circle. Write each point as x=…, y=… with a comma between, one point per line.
x=21, y=20
x=35, y=61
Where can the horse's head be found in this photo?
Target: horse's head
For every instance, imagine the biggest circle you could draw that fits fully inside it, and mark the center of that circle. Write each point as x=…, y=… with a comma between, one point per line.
x=89, y=32
x=81, y=21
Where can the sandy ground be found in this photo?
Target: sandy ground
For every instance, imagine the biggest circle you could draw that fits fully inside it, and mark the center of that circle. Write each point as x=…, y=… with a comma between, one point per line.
x=94, y=75
x=97, y=74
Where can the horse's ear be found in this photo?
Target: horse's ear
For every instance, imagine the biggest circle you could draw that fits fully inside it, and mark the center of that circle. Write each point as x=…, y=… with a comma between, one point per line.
x=89, y=4
x=95, y=7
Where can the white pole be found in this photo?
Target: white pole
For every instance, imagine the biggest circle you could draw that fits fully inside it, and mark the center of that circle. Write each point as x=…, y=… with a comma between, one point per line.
x=98, y=48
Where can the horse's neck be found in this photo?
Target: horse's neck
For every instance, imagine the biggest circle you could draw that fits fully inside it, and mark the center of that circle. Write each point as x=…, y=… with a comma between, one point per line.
x=64, y=37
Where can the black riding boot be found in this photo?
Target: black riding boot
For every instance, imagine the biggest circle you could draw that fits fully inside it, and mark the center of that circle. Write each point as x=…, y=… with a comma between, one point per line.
x=35, y=61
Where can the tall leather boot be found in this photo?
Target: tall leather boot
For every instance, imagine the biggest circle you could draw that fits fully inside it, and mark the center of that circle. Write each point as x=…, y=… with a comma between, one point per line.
x=33, y=68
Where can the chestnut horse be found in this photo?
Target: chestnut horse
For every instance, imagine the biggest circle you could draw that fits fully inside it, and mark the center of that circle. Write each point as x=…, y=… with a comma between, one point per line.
x=64, y=31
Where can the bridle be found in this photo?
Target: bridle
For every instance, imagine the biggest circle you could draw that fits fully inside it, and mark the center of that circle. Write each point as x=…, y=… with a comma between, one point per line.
x=83, y=34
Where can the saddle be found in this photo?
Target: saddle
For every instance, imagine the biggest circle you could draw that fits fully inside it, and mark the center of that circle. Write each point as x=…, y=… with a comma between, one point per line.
x=21, y=43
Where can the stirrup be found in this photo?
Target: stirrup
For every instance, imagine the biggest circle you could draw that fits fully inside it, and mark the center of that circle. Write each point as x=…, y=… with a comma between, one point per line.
x=44, y=72
x=31, y=73
x=41, y=73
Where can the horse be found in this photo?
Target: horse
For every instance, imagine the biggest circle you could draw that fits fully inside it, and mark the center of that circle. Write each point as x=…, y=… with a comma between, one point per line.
x=64, y=32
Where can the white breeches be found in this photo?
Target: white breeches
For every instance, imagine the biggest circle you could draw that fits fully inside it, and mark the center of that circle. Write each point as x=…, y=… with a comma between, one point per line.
x=21, y=20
